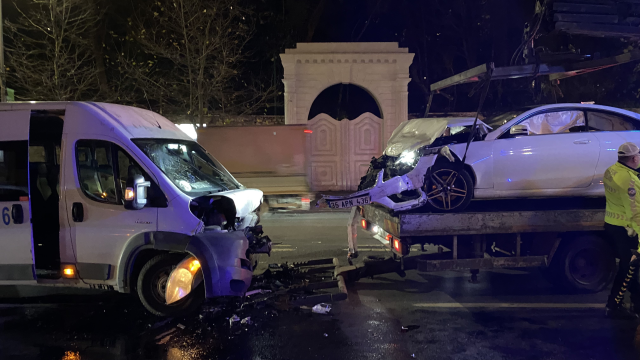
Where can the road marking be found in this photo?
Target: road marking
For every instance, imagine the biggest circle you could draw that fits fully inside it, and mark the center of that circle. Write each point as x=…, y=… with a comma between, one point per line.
x=512, y=305
x=283, y=249
x=281, y=245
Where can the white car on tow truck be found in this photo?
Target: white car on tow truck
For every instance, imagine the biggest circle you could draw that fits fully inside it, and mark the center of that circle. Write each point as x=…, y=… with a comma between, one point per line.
x=549, y=151
x=113, y=197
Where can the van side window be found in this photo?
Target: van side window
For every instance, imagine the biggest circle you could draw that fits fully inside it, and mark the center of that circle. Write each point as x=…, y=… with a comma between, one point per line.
x=105, y=169
x=14, y=162
x=128, y=168
x=95, y=170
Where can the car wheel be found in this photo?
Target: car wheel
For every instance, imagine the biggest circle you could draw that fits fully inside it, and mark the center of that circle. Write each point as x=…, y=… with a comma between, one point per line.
x=152, y=283
x=585, y=264
x=448, y=188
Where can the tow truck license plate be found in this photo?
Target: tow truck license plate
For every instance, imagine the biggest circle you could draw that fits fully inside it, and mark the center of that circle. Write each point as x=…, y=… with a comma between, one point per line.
x=347, y=203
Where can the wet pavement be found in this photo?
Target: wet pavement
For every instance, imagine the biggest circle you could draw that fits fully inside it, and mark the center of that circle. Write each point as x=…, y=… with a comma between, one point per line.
x=509, y=314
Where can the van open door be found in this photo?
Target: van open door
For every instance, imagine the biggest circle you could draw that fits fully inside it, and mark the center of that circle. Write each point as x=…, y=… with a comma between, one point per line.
x=16, y=255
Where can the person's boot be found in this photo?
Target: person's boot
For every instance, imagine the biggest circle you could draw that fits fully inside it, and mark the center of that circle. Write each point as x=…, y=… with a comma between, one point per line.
x=620, y=312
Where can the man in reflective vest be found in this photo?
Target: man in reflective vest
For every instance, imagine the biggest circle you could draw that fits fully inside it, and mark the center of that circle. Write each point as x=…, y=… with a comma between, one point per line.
x=622, y=225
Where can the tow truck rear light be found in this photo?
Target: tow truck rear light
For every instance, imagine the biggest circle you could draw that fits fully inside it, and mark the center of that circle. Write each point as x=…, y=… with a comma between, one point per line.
x=364, y=224
x=399, y=247
x=389, y=237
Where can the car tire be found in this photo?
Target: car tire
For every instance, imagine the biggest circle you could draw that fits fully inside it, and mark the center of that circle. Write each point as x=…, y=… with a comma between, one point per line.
x=582, y=264
x=152, y=282
x=449, y=188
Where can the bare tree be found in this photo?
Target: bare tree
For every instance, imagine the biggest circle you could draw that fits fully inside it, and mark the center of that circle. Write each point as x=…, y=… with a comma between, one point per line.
x=199, y=49
x=49, y=51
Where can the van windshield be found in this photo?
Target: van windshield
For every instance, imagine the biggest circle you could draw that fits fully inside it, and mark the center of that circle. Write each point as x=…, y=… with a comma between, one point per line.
x=188, y=166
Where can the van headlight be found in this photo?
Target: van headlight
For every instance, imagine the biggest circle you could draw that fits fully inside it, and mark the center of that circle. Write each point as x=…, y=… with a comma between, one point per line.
x=407, y=158
x=185, y=277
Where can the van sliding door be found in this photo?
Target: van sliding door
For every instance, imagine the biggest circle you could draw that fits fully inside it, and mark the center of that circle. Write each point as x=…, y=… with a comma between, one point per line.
x=16, y=257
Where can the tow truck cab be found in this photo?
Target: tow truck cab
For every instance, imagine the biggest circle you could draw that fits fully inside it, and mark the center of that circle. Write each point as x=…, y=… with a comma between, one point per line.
x=113, y=197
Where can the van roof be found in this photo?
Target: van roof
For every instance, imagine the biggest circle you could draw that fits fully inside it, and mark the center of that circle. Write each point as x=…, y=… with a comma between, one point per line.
x=131, y=121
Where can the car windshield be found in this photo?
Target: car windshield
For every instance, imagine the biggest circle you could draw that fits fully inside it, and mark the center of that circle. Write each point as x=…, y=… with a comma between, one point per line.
x=188, y=166
x=498, y=120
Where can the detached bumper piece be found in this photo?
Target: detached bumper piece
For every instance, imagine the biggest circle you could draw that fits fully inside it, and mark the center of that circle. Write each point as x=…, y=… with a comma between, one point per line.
x=300, y=284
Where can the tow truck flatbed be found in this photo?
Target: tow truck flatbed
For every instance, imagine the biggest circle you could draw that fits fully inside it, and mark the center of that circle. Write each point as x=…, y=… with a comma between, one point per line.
x=476, y=223
x=564, y=236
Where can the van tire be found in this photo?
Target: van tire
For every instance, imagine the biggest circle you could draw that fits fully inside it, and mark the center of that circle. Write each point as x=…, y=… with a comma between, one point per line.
x=153, y=278
x=585, y=263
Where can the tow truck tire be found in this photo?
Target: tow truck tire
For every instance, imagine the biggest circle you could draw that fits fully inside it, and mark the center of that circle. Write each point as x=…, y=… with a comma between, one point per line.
x=152, y=282
x=584, y=264
x=459, y=190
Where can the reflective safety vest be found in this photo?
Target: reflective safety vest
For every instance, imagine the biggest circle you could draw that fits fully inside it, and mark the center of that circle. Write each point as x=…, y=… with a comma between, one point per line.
x=621, y=184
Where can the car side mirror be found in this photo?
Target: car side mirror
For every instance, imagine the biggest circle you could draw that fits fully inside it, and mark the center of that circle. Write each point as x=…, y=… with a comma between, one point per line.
x=519, y=130
x=135, y=196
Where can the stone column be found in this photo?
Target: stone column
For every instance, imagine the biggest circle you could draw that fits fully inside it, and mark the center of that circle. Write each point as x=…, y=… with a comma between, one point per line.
x=289, y=101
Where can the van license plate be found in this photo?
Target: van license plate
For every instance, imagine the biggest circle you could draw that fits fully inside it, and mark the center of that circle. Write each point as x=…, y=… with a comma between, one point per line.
x=347, y=203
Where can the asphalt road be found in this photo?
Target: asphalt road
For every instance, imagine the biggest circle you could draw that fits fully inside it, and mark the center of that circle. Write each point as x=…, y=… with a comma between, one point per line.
x=509, y=314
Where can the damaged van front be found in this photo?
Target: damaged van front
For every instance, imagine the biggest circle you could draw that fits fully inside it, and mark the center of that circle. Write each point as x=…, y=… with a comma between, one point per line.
x=219, y=256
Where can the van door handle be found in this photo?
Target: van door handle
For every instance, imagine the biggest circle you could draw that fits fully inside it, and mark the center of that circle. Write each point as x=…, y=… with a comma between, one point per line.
x=17, y=214
x=581, y=141
x=77, y=212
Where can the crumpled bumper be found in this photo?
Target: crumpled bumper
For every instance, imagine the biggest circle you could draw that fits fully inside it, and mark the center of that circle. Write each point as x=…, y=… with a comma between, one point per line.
x=225, y=268
x=380, y=192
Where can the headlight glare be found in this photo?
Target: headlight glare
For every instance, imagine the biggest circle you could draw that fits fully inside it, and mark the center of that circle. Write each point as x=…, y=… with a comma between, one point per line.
x=407, y=157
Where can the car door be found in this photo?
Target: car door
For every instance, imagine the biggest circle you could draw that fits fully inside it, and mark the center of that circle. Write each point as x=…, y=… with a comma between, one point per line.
x=612, y=130
x=558, y=153
x=16, y=257
x=101, y=226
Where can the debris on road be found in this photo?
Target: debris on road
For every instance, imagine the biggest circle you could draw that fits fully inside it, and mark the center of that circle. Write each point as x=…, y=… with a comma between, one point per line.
x=409, y=328
x=246, y=321
x=259, y=291
x=322, y=308
x=233, y=320
x=181, y=326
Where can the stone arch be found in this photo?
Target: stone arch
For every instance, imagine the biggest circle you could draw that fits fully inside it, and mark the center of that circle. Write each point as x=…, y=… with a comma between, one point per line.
x=381, y=68
x=356, y=100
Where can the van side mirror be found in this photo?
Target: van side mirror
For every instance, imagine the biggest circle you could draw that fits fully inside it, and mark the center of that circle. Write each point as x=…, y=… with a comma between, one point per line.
x=135, y=196
x=519, y=130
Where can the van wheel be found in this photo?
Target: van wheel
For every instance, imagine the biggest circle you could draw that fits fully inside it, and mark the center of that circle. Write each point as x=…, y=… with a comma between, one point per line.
x=152, y=283
x=449, y=188
x=584, y=264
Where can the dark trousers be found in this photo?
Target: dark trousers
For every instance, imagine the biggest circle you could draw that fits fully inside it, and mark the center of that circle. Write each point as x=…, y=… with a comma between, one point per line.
x=623, y=244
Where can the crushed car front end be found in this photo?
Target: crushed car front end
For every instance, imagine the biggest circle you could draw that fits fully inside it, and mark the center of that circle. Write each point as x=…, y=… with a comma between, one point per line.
x=396, y=179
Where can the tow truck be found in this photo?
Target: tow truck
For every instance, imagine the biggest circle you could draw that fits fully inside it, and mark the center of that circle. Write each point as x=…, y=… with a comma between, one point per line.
x=564, y=238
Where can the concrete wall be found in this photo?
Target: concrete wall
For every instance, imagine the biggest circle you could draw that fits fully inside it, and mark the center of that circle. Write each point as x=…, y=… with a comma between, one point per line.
x=270, y=158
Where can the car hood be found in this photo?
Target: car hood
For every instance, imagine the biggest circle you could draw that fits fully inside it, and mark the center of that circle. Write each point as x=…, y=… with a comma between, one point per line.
x=416, y=133
x=245, y=200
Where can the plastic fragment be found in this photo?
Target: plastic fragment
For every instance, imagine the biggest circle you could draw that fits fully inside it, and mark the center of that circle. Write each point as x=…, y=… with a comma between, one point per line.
x=246, y=321
x=409, y=328
x=322, y=308
x=259, y=291
x=181, y=326
x=234, y=319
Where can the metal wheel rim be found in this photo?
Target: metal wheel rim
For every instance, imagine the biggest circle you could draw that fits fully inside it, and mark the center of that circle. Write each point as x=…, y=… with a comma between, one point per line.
x=159, y=285
x=446, y=190
x=585, y=266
